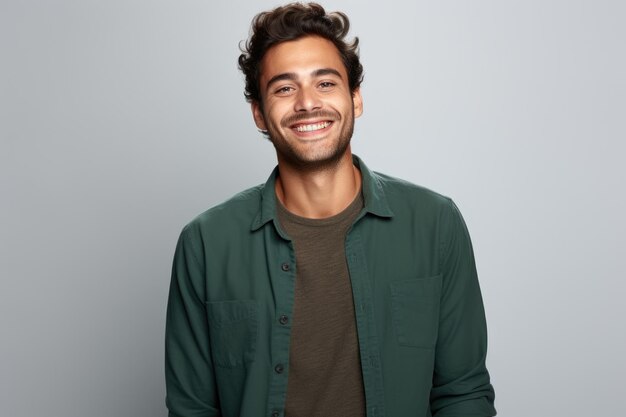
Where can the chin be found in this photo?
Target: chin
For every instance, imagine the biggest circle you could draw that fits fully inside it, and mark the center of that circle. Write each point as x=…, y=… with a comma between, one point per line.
x=313, y=160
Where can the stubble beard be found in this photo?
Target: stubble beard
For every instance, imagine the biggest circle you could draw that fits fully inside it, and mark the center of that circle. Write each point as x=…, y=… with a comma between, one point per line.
x=303, y=161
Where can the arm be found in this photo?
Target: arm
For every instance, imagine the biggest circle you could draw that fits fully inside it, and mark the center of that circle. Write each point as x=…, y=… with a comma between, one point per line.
x=461, y=386
x=190, y=383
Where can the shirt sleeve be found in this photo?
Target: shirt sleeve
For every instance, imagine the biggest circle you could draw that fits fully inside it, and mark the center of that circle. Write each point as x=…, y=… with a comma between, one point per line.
x=189, y=377
x=461, y=383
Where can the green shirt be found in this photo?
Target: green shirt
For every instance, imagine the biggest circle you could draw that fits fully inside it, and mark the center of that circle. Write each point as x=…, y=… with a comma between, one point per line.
x=419, y=313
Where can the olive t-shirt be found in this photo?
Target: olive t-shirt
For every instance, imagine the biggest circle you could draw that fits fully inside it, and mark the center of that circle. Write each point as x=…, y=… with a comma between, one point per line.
x=325, y=377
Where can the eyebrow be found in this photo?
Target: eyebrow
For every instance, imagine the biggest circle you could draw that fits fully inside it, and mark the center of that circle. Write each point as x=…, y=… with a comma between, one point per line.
x=291, y=76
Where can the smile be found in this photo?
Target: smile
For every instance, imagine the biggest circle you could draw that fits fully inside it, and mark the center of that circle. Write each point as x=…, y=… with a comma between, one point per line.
x=312, y=127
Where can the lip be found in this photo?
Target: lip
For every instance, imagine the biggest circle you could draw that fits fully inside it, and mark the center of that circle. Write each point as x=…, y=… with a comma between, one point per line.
x=310, y=122
x=312, y=133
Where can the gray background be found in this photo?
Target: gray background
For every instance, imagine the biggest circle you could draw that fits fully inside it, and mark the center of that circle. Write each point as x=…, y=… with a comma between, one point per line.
x=122, y=120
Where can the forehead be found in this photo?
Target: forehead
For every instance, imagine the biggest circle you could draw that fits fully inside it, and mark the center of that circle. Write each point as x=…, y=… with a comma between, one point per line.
x=301, y=56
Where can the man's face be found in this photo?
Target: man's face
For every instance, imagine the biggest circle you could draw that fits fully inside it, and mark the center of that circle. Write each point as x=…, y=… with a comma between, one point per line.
x=307, y=107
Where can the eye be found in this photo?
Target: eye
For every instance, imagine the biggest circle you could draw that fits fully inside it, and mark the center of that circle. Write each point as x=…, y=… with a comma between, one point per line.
x=284, y=90
x=326, y=84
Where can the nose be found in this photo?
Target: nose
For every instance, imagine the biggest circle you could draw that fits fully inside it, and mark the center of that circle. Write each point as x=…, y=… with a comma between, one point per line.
x=307, y=100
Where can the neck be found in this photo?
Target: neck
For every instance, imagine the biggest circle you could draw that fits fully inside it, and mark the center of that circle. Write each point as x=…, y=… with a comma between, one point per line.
x=320, y=193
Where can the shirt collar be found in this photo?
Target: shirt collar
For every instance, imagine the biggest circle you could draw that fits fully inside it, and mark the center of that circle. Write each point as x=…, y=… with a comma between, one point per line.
x=373, y=195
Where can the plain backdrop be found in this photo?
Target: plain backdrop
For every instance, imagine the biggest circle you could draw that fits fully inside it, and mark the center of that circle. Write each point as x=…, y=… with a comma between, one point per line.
x=122, y=120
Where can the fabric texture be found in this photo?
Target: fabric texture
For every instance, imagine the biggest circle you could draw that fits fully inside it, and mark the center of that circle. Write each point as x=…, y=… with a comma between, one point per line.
x=325, y=377
x=418, y=309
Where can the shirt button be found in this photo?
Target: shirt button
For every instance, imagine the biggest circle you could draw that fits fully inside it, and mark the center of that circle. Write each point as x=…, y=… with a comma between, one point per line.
x=285, y=267
x=279, y=368
x=283, y=319
x=275, y=414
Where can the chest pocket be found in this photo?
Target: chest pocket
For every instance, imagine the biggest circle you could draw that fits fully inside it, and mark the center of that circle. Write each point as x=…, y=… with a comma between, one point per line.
x=233, y=329
x=415, y=311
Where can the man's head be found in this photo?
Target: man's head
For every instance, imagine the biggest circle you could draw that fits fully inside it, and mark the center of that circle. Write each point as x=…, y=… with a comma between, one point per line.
x=302, y=80
x=291, y=22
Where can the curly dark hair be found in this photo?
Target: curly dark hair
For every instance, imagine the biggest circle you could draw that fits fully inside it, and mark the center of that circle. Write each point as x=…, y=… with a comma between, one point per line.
x=290, y=22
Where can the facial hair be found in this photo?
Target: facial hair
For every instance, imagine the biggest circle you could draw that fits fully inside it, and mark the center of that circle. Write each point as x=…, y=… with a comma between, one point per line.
x=301, y=162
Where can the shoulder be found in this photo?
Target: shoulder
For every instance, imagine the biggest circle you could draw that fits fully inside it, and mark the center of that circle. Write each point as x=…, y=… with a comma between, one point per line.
x=425, y=209
x=403, y=195
x=235, y=213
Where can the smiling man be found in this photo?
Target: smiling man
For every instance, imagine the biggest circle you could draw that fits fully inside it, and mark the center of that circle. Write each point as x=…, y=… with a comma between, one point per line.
x=330, y=290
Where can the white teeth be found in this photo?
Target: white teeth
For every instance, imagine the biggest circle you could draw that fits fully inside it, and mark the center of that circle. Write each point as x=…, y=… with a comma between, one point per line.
x=311, y=128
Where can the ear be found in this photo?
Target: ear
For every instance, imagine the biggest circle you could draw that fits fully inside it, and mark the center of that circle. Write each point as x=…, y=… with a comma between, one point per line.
x=357, y=102
x=257, y=114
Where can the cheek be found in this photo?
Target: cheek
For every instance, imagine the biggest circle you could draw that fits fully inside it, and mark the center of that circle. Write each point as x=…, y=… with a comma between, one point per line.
x=275, y=114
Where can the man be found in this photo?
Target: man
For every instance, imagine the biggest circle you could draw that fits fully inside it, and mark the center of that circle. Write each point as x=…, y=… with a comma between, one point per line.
x=330, y=290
